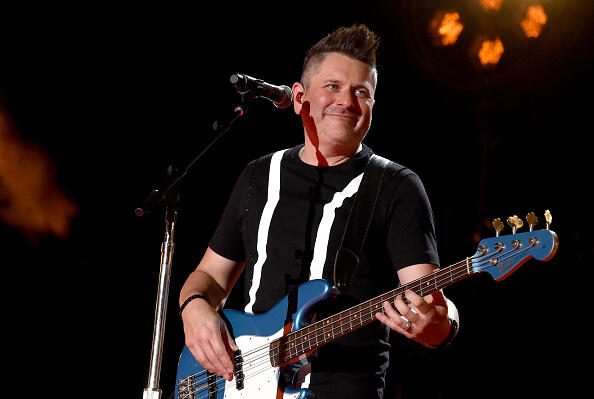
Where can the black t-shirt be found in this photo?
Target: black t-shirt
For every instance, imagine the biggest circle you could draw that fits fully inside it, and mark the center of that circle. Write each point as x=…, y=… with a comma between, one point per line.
x=286, y=219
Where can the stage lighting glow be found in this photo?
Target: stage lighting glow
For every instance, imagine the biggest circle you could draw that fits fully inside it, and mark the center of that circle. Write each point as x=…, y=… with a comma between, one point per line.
x=490, y=52
x=30, y=199
x=445, y=27
x=534, y=21
x=491, y=5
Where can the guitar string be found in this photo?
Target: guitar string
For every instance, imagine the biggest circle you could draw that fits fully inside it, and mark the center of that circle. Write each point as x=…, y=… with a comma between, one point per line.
x=439, y=274
x=438, y=277
x=427, y=277
x=220, y=382
x=499, y=260
x=366, y=314
x=320, y=324
x=364, y=311
x=334, y=327
x=252, y=369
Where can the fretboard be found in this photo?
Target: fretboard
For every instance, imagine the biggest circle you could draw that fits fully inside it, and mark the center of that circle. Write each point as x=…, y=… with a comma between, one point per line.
x=290, y=347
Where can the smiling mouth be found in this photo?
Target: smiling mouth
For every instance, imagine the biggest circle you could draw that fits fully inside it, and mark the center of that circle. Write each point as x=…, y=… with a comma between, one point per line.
x=350, y=117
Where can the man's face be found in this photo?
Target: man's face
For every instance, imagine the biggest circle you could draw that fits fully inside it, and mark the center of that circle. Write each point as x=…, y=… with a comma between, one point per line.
x=338, y=102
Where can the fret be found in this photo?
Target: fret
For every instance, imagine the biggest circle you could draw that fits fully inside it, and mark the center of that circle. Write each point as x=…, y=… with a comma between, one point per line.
x=353, y=316
x=305, y=340
x=300, y=341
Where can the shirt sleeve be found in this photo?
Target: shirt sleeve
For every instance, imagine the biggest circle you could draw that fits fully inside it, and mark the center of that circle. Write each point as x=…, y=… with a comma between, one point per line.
x=411, y=230
x=227, y=238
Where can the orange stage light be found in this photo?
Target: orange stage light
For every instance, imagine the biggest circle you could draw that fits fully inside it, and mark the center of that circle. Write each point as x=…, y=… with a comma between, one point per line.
x=445, y=27
x=491, y=5
x=490, y=52
x=30, y=199
x=534, y=20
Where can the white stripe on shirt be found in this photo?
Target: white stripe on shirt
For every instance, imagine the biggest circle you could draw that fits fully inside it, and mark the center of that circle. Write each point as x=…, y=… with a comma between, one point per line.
x=323, y=235
x=264, y=226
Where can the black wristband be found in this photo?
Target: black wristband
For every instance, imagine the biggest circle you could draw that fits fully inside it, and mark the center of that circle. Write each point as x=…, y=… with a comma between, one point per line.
x=191, y=298
x=453, y=331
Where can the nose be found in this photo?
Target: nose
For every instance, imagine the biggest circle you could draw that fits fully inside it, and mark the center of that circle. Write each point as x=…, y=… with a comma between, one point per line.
x=347, y=99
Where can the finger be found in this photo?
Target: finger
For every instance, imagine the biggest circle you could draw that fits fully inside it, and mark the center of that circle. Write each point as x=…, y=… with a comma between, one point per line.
x=393, y=319
x=217, y=363
x=230, y=347
x=388, y=321
x=391, y=312
x=419, y=303
x=405, y=309
x=202, y=344
x=223, y=356
x=199, y=344
x=201, y=358
x=228, y=338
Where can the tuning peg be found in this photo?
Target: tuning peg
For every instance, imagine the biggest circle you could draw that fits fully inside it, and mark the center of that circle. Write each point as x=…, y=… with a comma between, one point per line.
x=498, y=226
x=515, y=223
x=532, y=220
x=548, y=218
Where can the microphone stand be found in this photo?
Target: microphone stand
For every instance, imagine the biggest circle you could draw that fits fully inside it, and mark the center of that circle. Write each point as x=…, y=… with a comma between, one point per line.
x=170, y=197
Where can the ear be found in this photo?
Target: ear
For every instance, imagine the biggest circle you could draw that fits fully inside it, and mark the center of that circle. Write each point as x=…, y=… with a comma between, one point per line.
x=298, y=92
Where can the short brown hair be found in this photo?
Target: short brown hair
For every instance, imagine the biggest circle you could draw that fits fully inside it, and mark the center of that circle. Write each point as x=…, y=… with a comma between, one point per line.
x=357, y=42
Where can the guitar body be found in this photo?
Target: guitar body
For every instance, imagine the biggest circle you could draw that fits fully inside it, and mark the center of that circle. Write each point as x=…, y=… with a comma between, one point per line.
x=258, y=378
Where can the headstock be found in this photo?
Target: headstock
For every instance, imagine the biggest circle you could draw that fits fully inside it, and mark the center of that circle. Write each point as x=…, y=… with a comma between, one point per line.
x=500, y=256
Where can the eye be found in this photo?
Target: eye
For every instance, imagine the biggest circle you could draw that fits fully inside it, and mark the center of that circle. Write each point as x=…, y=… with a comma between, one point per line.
x=332, y=86
x=362, y=93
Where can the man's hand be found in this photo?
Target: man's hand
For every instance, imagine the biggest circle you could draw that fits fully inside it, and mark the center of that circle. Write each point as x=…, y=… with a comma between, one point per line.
x=208, y=338
x=418, y=318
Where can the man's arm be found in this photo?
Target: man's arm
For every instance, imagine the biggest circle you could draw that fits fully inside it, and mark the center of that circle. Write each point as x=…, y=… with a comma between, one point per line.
x=429, y=316
x=206, y=334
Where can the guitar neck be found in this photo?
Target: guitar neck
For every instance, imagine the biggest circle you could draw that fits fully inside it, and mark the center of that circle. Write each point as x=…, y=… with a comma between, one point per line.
x=290, y=347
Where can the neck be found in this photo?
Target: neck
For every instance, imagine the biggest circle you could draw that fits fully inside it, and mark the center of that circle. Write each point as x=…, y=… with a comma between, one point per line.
x=319, y=156
x=290, y=347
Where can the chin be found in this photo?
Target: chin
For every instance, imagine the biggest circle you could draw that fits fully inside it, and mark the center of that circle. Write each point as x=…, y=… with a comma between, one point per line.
x=341, y=141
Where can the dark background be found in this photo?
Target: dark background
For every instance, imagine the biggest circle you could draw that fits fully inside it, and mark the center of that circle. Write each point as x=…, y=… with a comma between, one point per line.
x=115, y=94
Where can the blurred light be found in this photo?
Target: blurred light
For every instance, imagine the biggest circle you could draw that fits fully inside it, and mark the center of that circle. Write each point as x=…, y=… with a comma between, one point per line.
x=490, y=52
x=446, y=28
x=30, y=199
x=534, y=21
x=491, y=5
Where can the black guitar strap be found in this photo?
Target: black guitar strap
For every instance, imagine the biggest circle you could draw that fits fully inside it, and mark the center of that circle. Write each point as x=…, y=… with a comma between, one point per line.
x=358, y=223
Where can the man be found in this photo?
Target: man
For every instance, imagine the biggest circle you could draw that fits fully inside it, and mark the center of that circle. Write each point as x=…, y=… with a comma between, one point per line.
x=285, y=219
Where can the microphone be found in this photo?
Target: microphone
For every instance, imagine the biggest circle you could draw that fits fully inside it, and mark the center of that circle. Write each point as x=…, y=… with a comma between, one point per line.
x=281, y=96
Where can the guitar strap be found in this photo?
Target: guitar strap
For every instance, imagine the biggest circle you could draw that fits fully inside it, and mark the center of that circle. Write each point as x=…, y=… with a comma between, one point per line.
x=358, y=223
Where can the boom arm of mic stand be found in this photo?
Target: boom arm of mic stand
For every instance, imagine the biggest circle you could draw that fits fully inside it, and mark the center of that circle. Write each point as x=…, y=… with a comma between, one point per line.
x=170, y=196
x=157, y=196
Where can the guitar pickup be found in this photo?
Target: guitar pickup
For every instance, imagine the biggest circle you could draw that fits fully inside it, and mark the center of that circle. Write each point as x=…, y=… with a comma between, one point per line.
x=211, y=381
x=238, y=370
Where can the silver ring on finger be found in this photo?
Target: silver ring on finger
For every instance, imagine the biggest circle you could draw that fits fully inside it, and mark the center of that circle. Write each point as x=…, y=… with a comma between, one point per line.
x=408, y=326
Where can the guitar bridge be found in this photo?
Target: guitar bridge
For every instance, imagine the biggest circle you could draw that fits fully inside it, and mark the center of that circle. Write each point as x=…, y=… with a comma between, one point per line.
x=186, y=388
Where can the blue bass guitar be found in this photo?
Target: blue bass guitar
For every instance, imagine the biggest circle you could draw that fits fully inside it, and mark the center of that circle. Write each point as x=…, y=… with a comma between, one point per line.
x=273, y=346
